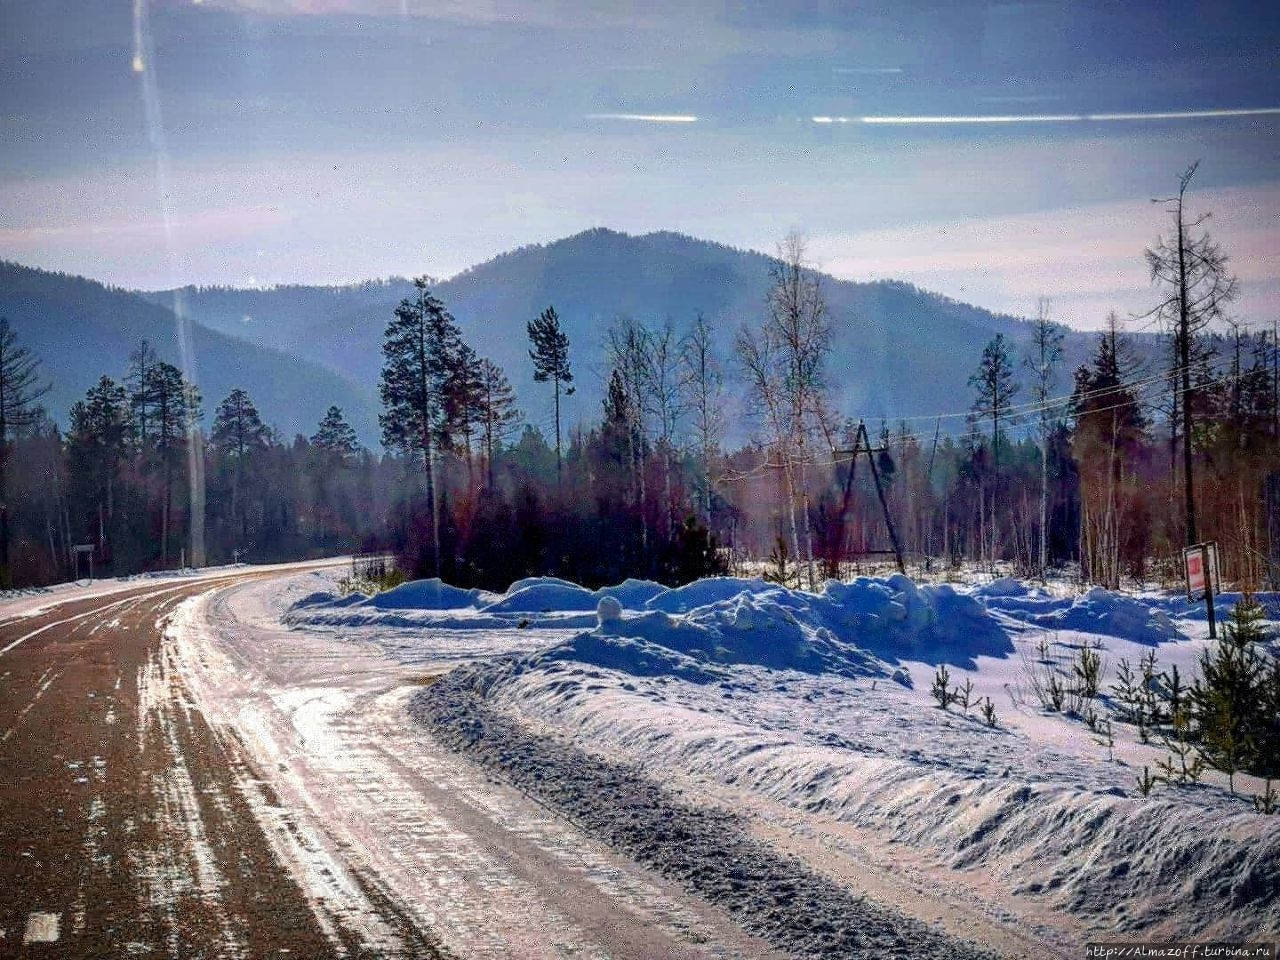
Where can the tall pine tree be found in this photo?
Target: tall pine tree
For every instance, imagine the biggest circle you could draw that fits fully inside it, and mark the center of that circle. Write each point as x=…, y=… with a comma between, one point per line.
x=550, y=356
x=419, y=349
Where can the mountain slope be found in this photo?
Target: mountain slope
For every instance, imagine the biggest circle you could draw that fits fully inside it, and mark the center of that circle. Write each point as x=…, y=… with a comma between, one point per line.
x=81, y=330
x=898, y=351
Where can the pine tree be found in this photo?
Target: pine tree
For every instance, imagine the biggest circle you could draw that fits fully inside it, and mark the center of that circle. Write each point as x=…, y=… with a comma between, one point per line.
x=499, y=415
x=463, y=399
x=97, y=446
x=550, y=356
x=20, y=388
x=238, y=436
x=418, y=350
x=996, y=388
x=993, y=381
x=174, y=405
x=335, y=436
x=1231, y=698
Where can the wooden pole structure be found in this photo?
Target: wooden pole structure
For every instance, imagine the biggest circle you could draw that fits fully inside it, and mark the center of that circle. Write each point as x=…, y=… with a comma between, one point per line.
x=862, y=444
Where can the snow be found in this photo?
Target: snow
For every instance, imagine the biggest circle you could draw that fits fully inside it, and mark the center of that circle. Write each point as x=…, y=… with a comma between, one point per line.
x=790, y=706
x=431, y=594
x=1099, y=611
x=544, y=597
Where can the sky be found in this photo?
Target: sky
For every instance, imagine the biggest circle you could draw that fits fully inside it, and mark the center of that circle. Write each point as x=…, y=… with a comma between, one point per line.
x=994, y=152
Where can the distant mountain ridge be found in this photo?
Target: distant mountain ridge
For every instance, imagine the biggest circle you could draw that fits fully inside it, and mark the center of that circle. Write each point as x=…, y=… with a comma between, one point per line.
x=898, y=351
x=81, y=329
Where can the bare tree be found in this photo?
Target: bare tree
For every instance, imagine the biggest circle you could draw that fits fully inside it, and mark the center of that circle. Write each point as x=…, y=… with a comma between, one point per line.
x=1190, y=268
x=629, y=349
x=784, y=363
x=703, y=386
x=1043, y=359
x=666, y=403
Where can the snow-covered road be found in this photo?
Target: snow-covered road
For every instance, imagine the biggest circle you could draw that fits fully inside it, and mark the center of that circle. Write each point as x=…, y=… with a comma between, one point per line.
x=397, y=841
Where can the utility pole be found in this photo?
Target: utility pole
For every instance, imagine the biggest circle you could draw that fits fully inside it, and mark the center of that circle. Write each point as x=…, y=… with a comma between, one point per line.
x=862, y=444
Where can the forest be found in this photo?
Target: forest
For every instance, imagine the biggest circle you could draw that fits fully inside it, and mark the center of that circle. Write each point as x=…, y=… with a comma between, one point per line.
x=1112, y=467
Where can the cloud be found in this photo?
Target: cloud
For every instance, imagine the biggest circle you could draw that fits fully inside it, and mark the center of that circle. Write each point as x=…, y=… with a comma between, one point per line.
x=936, y=120
x=1088, y=259
x=646, y=117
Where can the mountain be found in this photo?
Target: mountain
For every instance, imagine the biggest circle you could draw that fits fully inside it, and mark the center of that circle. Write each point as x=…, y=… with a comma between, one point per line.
x=81, y=330
x=898, y=351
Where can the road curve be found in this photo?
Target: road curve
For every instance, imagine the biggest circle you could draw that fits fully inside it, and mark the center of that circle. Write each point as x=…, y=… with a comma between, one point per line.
x=180, y=778
x=122, y=831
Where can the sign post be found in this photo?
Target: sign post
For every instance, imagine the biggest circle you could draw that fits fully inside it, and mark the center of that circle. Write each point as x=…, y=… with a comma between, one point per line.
x=86, y=549
x=1201, y=563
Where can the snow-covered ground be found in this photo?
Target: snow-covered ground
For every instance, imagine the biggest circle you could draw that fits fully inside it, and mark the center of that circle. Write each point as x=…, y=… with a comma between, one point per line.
x=33, y=601
x=809, y=715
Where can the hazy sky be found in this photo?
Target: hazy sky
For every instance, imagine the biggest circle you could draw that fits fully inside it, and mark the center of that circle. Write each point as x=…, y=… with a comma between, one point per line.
x=266, y=141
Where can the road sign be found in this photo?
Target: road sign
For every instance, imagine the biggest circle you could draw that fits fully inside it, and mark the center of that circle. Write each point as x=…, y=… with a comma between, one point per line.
x=1199, y=561
x=1201, y=564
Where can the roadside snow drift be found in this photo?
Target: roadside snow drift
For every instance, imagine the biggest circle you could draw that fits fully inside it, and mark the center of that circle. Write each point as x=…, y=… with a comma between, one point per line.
x=807, y=701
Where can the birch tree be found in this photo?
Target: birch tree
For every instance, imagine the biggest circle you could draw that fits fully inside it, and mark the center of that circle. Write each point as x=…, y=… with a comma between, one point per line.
x=784, y=364
x=702, y=382
x=1043, y=359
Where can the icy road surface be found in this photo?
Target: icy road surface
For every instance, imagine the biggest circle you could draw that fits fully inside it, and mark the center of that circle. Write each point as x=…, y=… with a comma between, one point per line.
x=368, y=811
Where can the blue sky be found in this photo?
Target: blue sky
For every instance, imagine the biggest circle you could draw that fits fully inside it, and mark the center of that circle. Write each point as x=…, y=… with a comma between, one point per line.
x=266, y=141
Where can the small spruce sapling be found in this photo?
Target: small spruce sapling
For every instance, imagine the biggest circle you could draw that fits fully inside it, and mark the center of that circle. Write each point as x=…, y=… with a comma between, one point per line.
x=1182, y=766
x=963, y=695
x=1150, y=690
x=1146, y=782
x=1269, y=802
x=941, y=688
x=1231, y=697
x=1088, y=670
x=1126, y=693
x=1106, y=737
x=989, y=712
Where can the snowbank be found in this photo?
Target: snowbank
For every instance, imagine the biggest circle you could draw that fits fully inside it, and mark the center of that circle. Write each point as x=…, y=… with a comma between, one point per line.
x=433, y=594
x=701, y=593
x=1099, y=611
x=544, y=596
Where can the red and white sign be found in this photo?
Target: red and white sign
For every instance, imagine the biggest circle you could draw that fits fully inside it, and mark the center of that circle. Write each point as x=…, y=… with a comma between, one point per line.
x=1201, y=561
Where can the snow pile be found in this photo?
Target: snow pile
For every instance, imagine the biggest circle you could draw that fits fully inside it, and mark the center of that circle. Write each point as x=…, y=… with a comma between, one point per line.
x=702, y=593
x=721, y=620
x=695, y=647
x=1099, y=611
x=433, y=594
x=544, y=596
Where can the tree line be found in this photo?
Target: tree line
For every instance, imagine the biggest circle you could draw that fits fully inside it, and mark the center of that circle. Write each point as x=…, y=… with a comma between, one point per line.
x=1114, y=466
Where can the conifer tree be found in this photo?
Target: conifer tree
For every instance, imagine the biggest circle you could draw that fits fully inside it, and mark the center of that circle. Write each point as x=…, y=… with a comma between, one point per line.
x=1190, y=269
x=20, y=389
x=335, y=436
x=499, y=415
x=550, y=356
x=995, y=387
x=164, y=408
x=1231, y=698
x=238, y=436
x=97, y=446
x=418, y=351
